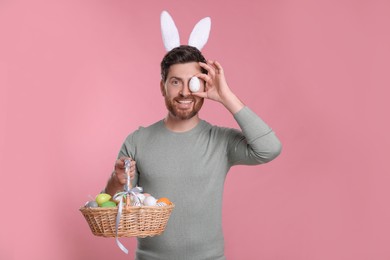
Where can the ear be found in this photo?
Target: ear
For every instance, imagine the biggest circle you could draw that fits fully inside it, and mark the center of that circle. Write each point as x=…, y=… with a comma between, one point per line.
x=200, y=33
x=162, y=88
x=170, y=34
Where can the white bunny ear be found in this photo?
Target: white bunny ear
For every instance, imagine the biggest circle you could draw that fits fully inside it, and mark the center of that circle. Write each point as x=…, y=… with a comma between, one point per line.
x=200, y=33
x=169, y=32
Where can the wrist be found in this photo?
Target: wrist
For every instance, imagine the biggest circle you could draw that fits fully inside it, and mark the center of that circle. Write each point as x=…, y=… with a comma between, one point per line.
x=232, y=103
x=113, y=184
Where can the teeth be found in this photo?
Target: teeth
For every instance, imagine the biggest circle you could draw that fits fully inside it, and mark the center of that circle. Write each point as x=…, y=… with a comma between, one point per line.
x=185, y=101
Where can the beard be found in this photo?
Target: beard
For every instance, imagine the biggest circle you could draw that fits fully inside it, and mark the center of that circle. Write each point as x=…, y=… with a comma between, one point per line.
x=183, y=114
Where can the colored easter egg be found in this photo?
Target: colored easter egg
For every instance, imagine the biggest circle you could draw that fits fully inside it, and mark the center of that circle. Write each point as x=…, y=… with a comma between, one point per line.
x=108, y=204
x=102, y=197
x=164, y=200
x=91, y=204
x=136, y=203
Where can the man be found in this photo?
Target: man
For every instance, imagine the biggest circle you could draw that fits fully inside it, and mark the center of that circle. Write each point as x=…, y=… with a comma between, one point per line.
x=185, y=159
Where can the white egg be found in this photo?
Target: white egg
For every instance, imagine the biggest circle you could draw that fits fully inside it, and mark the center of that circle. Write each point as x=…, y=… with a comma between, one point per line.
x=194, y=84
x=150, y=201
x=141, y=197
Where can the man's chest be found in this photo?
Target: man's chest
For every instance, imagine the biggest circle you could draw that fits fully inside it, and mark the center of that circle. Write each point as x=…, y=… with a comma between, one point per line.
x=180, y=160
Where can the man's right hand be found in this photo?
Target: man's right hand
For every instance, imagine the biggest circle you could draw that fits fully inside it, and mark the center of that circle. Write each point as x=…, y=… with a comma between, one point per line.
x=119, y=174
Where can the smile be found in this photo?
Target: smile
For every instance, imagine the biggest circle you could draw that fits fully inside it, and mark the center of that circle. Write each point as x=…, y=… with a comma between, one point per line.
x=184, y=101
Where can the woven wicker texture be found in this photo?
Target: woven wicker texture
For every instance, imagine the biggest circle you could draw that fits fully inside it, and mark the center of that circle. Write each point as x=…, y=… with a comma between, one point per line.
x=135, y=221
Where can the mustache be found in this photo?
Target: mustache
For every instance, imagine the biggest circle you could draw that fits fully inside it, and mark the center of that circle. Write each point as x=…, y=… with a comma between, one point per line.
x=184, y=99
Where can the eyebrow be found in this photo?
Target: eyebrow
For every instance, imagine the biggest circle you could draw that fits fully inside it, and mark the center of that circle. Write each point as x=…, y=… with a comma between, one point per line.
x=174, y=77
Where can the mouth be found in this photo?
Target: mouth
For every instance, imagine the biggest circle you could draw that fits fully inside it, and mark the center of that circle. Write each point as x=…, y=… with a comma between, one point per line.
x=184, y=103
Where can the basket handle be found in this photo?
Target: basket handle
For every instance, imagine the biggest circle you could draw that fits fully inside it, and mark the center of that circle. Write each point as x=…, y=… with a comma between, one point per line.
x=127, y=186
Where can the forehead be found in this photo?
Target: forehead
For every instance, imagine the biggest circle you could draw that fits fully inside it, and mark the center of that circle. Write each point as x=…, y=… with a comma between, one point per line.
x=184, y=70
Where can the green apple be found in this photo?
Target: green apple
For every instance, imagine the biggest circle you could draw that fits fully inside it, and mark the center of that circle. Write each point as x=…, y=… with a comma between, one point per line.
x=102, y=197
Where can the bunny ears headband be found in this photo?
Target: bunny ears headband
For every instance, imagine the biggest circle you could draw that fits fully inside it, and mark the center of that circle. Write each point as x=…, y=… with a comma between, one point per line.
x=170, y=34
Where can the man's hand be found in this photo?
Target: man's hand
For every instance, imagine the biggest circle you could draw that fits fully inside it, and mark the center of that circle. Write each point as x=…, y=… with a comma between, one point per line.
x=216, y=87
x=119, y=175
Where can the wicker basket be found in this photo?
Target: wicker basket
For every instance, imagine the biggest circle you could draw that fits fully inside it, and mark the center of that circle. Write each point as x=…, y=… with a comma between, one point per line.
x=135, y=221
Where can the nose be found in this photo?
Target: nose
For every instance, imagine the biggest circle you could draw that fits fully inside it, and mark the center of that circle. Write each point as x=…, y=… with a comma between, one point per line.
x=185, y=91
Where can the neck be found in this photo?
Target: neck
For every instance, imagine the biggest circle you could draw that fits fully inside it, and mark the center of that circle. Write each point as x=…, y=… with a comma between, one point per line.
x=180, y=125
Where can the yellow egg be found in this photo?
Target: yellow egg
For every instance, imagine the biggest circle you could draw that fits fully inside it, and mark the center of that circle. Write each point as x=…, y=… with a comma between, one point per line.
x=102, y=197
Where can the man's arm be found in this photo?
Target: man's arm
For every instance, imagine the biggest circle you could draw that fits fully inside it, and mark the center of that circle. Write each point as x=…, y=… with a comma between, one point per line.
x=257, y=143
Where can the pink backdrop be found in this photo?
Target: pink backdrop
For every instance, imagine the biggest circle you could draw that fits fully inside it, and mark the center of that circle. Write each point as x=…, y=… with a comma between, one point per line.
x=77, y=76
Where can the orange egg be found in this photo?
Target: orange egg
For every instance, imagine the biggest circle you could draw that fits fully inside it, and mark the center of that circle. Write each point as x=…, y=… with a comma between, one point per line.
x=164, y=200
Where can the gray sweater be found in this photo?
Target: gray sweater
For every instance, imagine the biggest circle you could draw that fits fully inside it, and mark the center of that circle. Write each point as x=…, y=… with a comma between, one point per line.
x=190, y=168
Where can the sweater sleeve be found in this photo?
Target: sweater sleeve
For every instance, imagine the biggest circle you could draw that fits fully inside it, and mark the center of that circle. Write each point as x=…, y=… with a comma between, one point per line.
x=256, y=144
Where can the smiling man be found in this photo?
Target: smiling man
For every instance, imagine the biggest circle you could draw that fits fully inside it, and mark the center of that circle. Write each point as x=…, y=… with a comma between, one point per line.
x=178, y=99
x=186, y=159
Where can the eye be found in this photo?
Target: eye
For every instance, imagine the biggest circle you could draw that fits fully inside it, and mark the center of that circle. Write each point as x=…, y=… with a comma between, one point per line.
x=175, y=82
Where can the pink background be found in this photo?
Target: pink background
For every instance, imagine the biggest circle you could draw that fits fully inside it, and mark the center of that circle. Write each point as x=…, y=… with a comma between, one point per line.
x=77, y=76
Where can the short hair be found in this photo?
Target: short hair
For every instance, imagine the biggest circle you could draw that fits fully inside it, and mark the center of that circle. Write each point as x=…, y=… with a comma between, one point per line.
x=181, y=54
